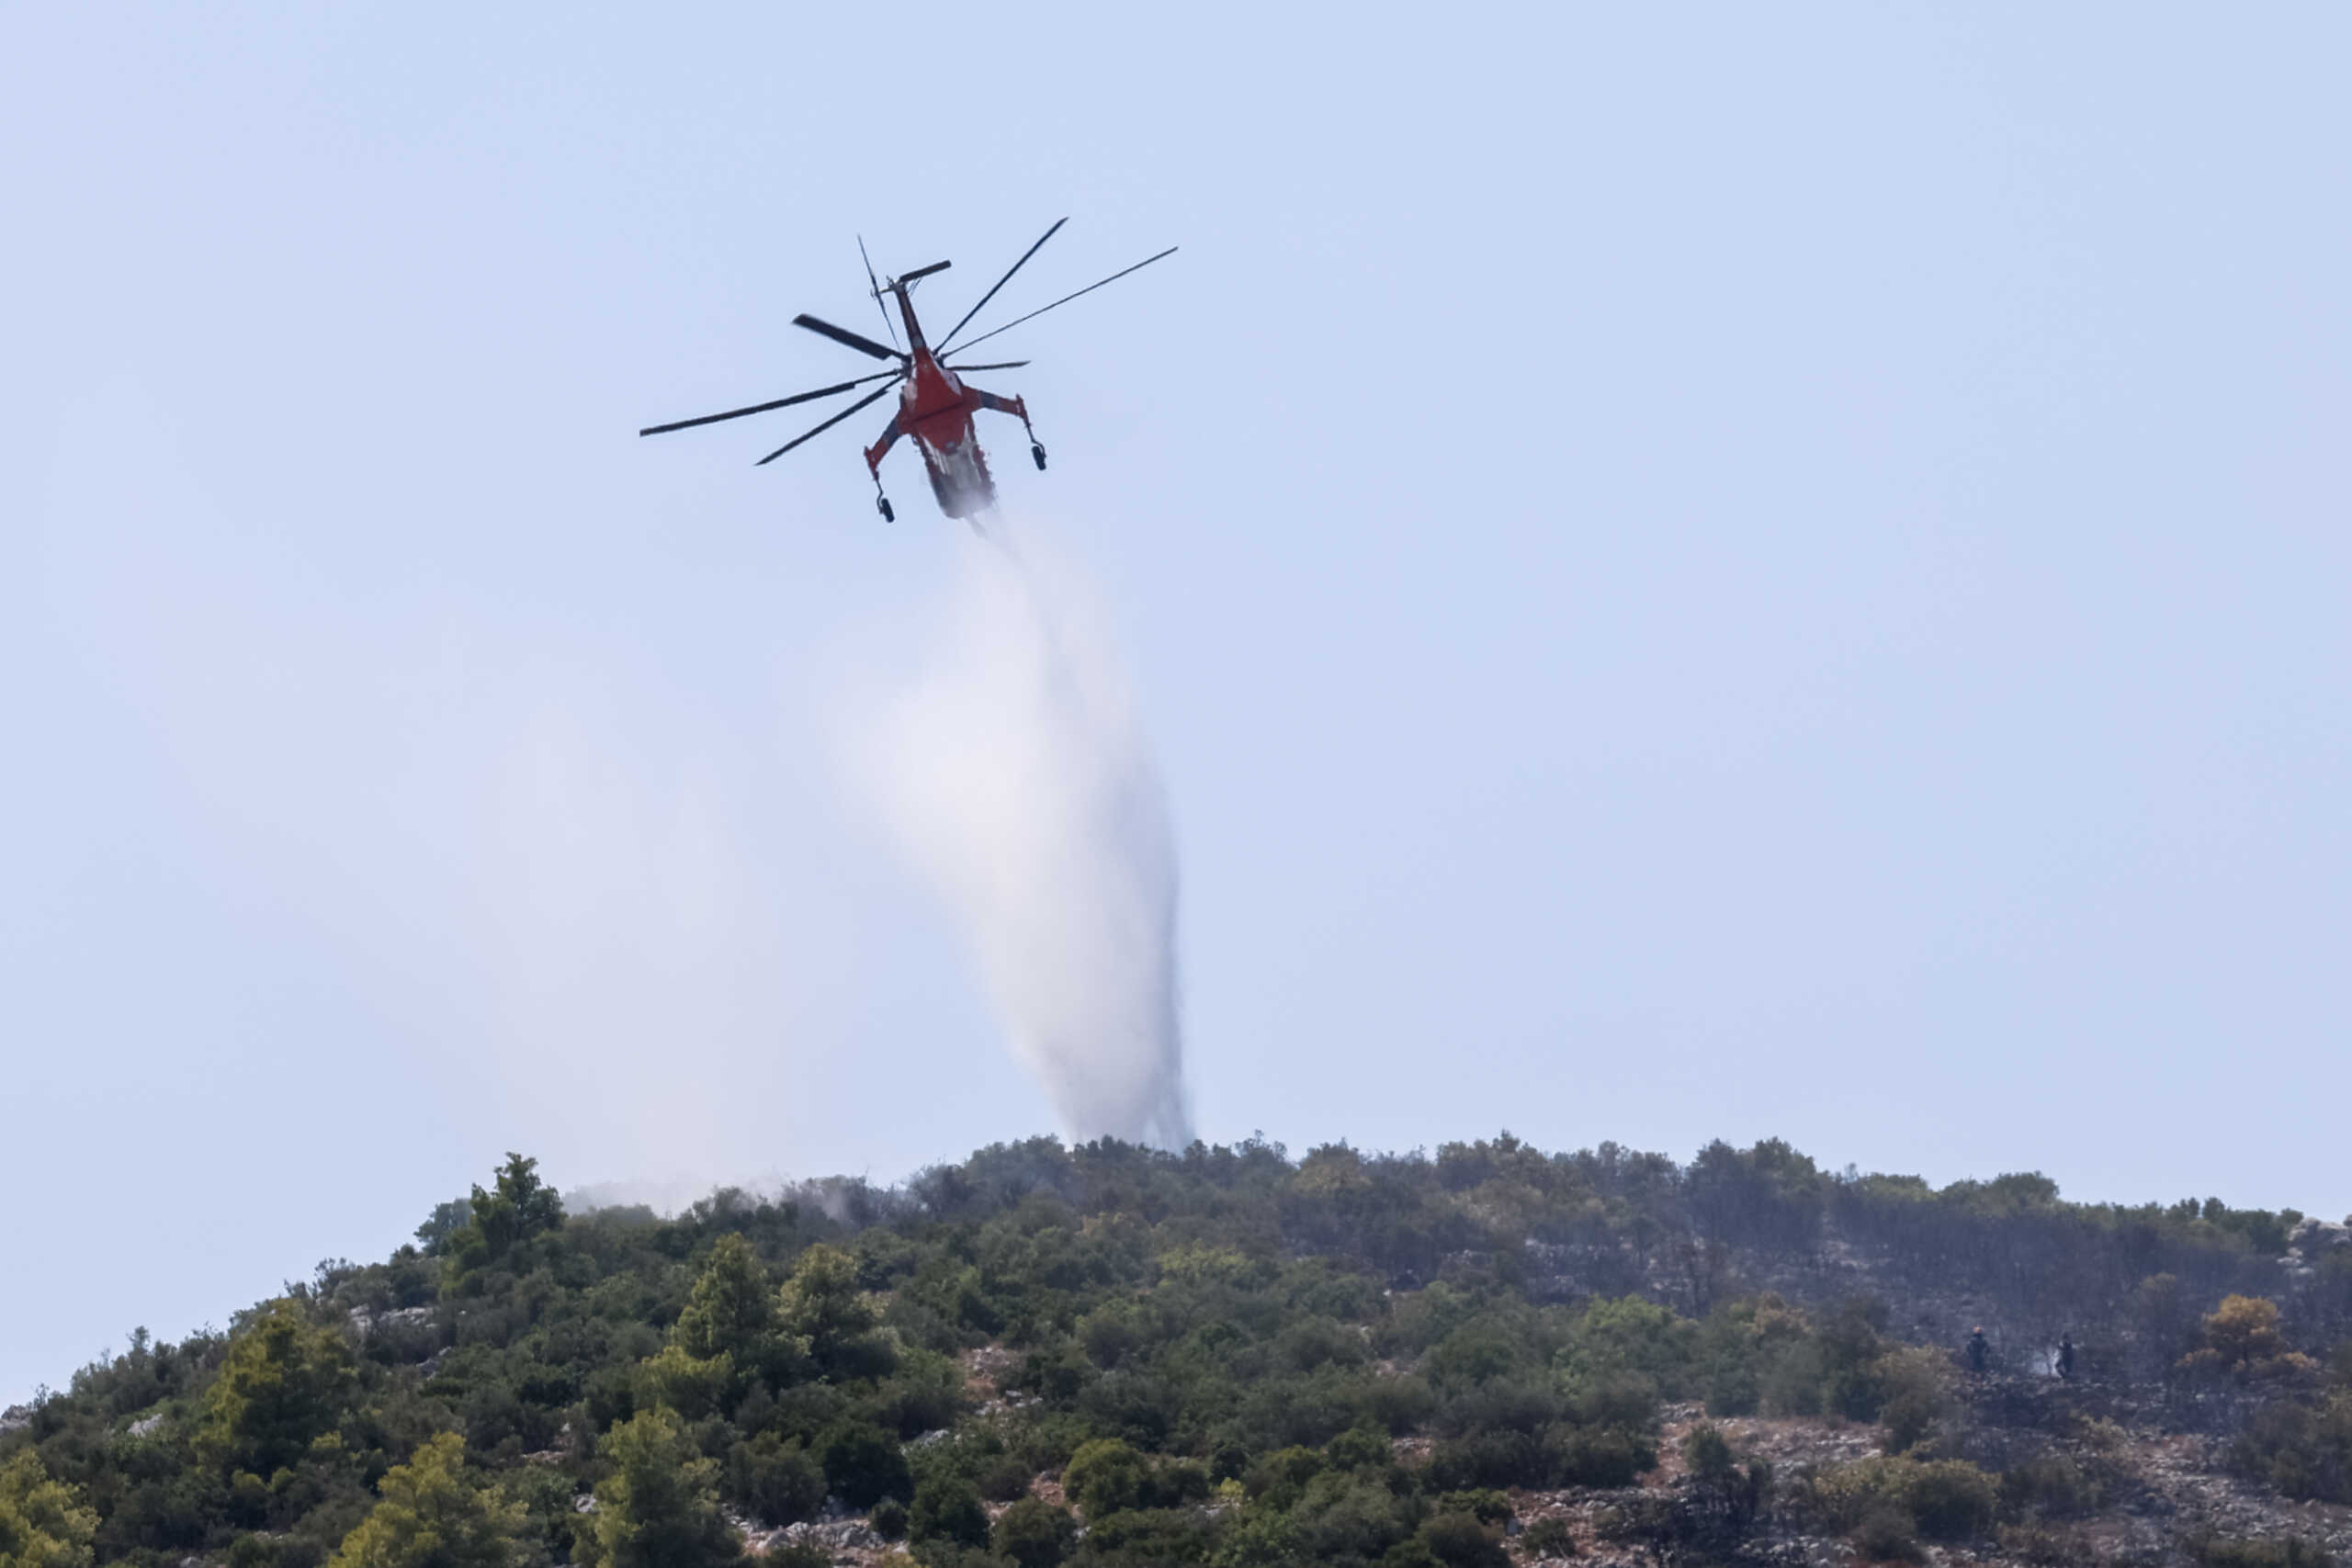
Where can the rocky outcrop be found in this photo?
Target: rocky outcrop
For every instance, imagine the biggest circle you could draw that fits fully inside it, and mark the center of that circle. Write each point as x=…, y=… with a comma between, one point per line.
x=366, y=1324
x=845, y=1540
x=2311, y=1242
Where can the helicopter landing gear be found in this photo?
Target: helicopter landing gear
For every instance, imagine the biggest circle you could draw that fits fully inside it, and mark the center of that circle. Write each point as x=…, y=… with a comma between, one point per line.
x=1037, y=452
x=882, y=504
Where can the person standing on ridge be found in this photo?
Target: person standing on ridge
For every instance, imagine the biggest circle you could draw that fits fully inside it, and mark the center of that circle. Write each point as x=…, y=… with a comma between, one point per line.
x=2066, y=1358
x=1980, y=1350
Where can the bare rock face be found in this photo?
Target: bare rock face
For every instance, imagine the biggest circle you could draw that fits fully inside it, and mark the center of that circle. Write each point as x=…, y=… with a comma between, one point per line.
x=2315, y=1235
x=365, y=1323
x=846, y=1541
x=2312, y=1241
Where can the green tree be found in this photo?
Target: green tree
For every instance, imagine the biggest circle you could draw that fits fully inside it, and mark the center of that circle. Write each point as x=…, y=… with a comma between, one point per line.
x=42, y=1522
x=519, y=1208
x=2241, y=1338
x=824, y=1308
x=445, y=1221
x=727, y=1339
x=283, y=1383
x=658, y=1508
x=431, y=1514
x=692, y=1388
x=732, y=1309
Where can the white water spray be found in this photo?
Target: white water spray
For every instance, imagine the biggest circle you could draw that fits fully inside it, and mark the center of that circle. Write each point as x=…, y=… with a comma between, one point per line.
x=1015, y=773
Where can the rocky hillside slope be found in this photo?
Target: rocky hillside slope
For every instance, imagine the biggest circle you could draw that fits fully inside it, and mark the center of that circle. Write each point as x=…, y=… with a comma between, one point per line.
x=1102, y=1356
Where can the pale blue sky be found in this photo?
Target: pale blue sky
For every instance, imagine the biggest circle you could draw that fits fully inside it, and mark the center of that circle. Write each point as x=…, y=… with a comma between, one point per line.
x=1695, y=572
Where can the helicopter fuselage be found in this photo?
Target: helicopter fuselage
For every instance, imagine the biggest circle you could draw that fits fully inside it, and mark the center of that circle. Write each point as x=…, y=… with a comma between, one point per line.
x=935, y=408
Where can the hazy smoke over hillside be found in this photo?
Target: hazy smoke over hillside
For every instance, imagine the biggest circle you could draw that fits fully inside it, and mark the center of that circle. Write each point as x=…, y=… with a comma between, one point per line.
x=1016, y=775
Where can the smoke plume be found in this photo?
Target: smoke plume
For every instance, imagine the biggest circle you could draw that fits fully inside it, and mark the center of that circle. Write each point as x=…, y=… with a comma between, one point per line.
x=1016, y=776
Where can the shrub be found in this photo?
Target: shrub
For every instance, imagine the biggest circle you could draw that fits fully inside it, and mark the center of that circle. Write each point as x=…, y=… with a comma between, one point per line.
x=773, y=1481
x=2214, y=1552
x=1491, y=1459
x=1359, y=1447
x=1105, y=1476
x=1281, y=1476
x=924, y=1395
x=1400, y=1404
x=1947, y=1499
x=1885, y=1534
x=1349, y=1518
x=1706, y=1452
x=1033, y=1533
x=1005, y=1479
x=1952, y=1500
x=1486, y=1505
x=1459, y=1540
x=1147, y=1538
x=1633, y=1336
x=2048, y=1546
x=1175, y=1483
x=1144, y=1409
x=1604, y=1456
x=953, y=1554
x=948, y=1509
x=1914, y=1388
x=1548, y=1537
x=797, y=1554
x=2302, y=1450
x=864, y=1464
x=1111, y=1333
x=2051, y=1486
x=888, y=1520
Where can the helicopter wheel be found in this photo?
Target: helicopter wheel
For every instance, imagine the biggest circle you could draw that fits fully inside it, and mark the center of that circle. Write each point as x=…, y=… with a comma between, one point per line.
x=1038, y=453
x=882, y=504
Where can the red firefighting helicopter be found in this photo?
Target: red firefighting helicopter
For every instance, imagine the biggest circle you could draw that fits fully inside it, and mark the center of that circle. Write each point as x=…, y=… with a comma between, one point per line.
x=936, y=407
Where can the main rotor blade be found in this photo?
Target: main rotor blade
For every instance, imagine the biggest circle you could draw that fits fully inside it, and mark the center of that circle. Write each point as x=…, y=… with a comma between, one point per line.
x=1068, y=297
x=822, y=428
x=873, y=283
x=1008, y=364
x=763, y=408
x=1000, y=282
x=843, y=335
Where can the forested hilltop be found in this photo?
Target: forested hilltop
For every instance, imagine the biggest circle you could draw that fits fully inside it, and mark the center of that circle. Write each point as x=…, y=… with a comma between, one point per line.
x=1104, y=1356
